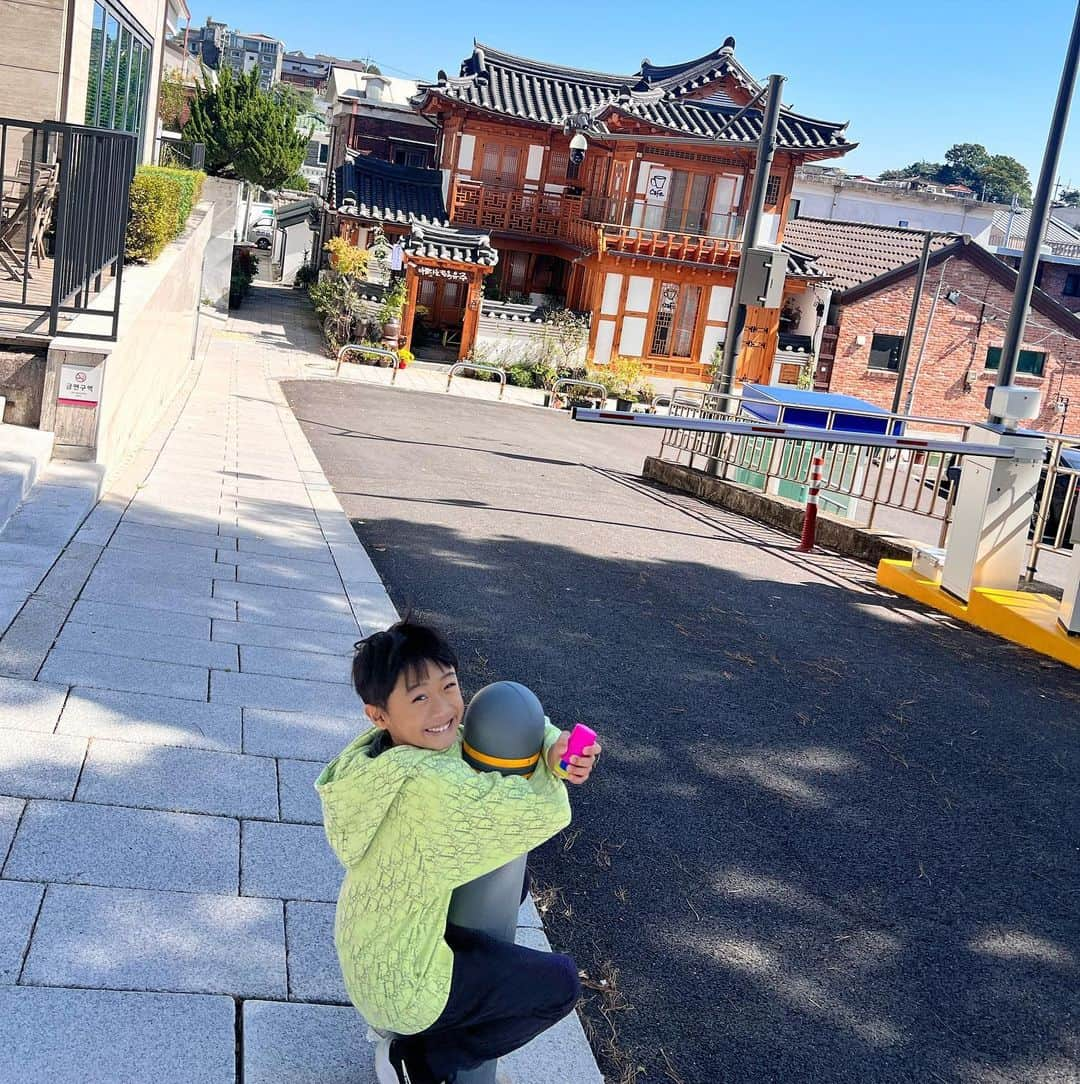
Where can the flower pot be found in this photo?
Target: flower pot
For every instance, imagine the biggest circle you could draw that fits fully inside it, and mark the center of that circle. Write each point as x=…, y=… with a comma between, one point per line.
x=622, y=404
x=391, y=333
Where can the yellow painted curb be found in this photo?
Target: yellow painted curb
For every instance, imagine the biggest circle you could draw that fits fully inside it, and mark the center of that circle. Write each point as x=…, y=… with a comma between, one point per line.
x=1020, y=616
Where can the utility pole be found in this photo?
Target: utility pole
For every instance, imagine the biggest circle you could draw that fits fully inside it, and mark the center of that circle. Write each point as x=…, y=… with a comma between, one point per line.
x=1040, y=214
x=766, y=150
x=905, y=350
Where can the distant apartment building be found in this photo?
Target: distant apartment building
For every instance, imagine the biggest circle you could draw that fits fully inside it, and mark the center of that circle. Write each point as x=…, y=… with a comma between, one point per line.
x=94, y=62
x=218, y=45
x=305, y=71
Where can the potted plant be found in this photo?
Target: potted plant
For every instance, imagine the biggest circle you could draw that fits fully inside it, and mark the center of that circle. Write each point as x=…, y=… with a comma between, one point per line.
x=390, y=313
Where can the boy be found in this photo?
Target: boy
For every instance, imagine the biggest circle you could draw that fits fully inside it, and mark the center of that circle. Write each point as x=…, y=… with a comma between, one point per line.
x=411, y=821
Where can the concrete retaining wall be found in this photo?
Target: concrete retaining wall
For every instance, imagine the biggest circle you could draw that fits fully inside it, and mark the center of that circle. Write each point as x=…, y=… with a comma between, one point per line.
x=832, y=533
x=137, y=376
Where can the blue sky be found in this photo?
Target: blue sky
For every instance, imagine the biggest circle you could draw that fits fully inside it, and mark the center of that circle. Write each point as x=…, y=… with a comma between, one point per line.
x=912, y=78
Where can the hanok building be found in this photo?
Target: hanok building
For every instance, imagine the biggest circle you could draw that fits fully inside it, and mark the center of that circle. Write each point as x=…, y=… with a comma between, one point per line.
x=644, y=233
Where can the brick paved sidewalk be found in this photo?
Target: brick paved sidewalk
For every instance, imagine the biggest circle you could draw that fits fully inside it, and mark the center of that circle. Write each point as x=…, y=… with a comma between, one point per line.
x=171, y=689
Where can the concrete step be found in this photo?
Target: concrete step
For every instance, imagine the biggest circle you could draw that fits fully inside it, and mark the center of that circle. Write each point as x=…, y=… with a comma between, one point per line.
x=24, y=455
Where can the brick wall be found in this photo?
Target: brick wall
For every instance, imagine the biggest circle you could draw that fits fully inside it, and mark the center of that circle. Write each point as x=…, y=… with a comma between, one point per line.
x=1053, y=283
x=376, y=136
x=958, y=342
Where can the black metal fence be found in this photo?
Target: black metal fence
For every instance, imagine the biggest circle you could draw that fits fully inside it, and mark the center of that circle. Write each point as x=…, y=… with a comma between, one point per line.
x=179, y=153
x=63, y=217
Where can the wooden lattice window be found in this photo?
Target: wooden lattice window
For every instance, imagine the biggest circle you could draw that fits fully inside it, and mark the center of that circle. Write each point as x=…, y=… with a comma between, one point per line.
x=772, y=191
x=500, y=163
x=676, y=316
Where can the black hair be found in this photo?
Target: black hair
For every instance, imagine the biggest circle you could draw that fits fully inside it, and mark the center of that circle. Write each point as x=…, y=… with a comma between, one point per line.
x=383, y=657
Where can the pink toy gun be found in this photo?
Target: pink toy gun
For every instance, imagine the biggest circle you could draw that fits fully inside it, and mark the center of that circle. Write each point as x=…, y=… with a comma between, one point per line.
x=581, y=737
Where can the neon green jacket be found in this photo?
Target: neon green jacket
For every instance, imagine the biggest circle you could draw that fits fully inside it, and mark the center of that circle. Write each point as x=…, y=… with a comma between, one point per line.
x=409, y=826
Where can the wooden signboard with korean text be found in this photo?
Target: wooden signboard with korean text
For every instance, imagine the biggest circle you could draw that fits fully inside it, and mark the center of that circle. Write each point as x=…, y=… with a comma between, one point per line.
x=760, y=336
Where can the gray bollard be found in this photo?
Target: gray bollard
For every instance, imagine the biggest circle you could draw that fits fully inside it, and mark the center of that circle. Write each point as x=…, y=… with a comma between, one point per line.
x=504, y=732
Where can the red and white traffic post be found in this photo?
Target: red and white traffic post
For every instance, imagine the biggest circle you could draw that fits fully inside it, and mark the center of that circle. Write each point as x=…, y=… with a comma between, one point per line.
x=809, y=526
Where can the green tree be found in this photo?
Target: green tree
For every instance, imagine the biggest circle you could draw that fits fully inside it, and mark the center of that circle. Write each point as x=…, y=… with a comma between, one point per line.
x=272, y=150
x=1069, y=197
x=172, y=100
x=965, y=163
x=298, y=99
x=927, y=170
x=248, y=133
x=1004, y=177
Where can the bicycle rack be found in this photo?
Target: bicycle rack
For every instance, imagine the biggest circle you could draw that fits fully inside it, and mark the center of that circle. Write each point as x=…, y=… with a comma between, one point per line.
x=482, y=368
x=572, y=383
x=371, y=351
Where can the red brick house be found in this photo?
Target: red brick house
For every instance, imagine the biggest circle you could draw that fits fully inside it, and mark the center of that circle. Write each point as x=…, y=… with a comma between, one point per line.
x=868, y=318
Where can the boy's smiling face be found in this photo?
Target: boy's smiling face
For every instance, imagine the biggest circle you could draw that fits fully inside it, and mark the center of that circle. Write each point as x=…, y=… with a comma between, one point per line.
x=424, y=710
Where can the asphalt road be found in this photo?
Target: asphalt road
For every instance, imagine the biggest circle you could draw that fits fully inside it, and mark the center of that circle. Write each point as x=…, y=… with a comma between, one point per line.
x=833, y=837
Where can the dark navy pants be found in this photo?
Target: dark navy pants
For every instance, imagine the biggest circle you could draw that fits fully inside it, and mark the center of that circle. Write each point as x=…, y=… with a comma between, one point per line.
x=501, y=997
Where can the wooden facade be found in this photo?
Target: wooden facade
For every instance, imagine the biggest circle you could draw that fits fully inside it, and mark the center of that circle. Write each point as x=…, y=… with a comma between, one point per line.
x=645, y=233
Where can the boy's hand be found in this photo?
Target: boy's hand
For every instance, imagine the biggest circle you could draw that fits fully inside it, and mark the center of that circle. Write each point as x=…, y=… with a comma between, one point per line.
x=580, y=767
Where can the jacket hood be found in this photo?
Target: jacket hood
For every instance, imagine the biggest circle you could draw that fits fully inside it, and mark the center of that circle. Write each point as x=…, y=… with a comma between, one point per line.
x=357, y=793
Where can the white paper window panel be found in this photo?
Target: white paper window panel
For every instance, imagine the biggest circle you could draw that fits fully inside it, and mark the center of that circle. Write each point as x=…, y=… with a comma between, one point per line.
x=639, y=293
x=466, y=148
x=632, y=339
x=612, y=289
x=605, y=338
x=535, y=163
x=770, y=228
x=643, y=176
x=713, y=337
x=726, y=197
x=720, y=303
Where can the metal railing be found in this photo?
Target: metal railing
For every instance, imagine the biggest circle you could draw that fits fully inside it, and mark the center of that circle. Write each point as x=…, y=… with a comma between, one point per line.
x=1057, y=501
x=570, y=382
x=370, y=351
x=64, y=187
x=179, y=153
x=857, y=481
x=454, y=369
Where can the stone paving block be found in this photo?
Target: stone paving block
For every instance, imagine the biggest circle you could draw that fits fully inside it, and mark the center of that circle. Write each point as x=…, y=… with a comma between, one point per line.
x=66, y=578
x=20, y=579
x=163, y=598
x=131, y=538
x=30, y=636
x=315, y=620
x=25, y=553
x=76, y=666
x=160, y=647
x=112, y=615
x=79, y=843
x=113, y=581
x=183, y=942
x=314, y=972
x=287, y=662
x=154, y=720
x=283, y=599
x=10, y=812
x=372, y=606
x=528, y=916
x=290, y=1042
x=175, y=560
x=296, y=791
x=19, y=903
x=560, y=1053
x=30, y=705
x=302, y=735
x=281, y=693
x=183, y=780
x=307, y=551
x=353, y=562
x=39, y=765
x=287, y=861
x=251, y=632
x=305, y=575
x=115, y=1038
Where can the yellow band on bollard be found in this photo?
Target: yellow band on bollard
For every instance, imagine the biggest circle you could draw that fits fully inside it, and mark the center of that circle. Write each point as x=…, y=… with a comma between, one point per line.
x=499, y=762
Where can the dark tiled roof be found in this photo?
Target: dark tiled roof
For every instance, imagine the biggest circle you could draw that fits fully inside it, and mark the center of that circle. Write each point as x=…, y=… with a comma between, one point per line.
x=290, y=214
x=851, y=253
x=389, y=193
x=442, y=242
x=547, y=93
x=802, y=265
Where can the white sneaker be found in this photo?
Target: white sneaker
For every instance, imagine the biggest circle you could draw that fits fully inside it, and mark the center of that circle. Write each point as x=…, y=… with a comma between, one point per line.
x=385, y=1073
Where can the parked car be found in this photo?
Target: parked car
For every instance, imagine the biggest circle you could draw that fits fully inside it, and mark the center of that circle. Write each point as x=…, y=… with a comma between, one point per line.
x=262, y=230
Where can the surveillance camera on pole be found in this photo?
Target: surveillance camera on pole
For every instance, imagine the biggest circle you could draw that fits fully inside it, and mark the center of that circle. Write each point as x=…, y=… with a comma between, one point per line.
x=578, y=146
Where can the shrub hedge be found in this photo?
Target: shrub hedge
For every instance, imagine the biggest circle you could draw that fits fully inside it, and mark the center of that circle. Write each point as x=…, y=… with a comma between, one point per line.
x=161, y=201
